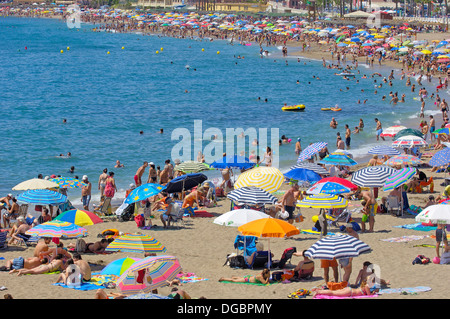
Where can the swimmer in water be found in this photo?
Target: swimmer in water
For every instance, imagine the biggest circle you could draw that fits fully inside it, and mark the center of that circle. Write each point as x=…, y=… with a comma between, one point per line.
x=333, y=123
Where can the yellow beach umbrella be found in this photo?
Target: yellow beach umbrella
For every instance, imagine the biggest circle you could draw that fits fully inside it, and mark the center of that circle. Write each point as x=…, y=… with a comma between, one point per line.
x=426, y=51
x=269, y=179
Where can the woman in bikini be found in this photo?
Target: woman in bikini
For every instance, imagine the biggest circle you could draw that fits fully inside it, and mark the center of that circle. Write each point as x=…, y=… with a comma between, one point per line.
x=363, y=290
x=262, y=278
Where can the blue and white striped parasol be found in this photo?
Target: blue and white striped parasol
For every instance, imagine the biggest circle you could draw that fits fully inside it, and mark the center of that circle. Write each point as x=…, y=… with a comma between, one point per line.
x=42, y=197
x=311, y=150
x=251, y=195
x=337, y=246
x=441, y=158
x=383, y=150
x=372, y=176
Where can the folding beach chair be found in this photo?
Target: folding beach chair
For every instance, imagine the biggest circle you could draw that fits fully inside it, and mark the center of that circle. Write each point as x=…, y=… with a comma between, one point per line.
x=178, y=215
x=3, y=241
x=245, y=244
x=393, y=203
x=23, y=209
x=104, y=209
x=261, y=260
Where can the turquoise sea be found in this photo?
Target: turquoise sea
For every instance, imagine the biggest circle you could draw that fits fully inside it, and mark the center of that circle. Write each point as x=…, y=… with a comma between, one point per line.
x=108, y=99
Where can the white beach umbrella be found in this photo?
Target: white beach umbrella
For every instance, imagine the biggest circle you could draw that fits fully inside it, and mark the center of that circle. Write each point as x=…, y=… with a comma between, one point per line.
x=239, y=217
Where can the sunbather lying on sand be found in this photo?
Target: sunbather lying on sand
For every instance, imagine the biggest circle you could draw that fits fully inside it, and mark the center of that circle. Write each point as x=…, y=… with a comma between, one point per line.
x=364, y=290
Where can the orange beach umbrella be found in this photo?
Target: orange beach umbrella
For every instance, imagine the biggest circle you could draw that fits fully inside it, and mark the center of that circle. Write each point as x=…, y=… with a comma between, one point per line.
x=268, y=227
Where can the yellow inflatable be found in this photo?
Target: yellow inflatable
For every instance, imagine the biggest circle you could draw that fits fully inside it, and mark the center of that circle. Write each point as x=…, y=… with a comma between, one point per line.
x=326, y=108
x=293, y=108
x=336, y=109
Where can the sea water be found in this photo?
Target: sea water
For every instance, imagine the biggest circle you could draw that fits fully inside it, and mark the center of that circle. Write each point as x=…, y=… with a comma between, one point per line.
x=107, y=99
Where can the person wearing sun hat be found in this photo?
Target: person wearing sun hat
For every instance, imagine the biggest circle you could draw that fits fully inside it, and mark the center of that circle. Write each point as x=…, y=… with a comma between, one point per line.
x=86, y=192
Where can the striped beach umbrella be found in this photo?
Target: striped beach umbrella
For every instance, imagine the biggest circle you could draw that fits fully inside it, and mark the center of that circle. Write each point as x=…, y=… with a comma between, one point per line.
x=408, y=132
x=392, y=130
x=57, y=228
x=338, y=159
x=323, y=200
x=135, y=243
x=332, y=185
x=269, y=179
x=239, y=217
x=384, y=150
x=402, y=176
x=192, y=167
x=372, y=176
x=337, y=246
x=400, y=160
x=143, y=192
x=148, y=274
x=441, y=158
x=310, y=151
x=118, y=266
x=79, y=217
x=42, y=197
x=251, y=195
x=35, y=183
x=409, y=141
x=68, y=182
x=316, y=168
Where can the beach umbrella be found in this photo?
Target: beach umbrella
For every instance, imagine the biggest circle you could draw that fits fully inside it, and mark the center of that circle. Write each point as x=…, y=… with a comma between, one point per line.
x=409, y=141
x=68, y=182
x=302, y=174
x=383, y=150
x=392, y=130
x=403, y=160
x=408, y=131
x=337, y=246
x=192, y=167
x=239, y=217
x=338, y=159
x=118, y=266
x=79, y=217
x=185, y=182
x=148, y=274
x=42, y=197
x=135, y=243
x=269, y=179
x=332, y=185
x=57, y=228
x=344, y=152
x=372, y=176
x=239, y=162
x=268, y=227
x=435, y=214
x=312, y=167
x=35, y=183
x=143, y=192
x=323, y=200
x=310, y=151
x=402, y=176
x=444, y=130
x=252, y=196
x=441, y=158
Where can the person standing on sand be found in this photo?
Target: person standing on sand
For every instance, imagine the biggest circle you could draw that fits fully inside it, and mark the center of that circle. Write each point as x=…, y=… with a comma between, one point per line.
x=288, y=200
x=102, y=182
x=348, y=134
x=379, y=130
x=86, y=192
x=432, y=127
x=139, y=173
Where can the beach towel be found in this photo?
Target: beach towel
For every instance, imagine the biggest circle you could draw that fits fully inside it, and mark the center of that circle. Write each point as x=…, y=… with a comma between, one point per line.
x=336, y=297
x=404, y=239
x=85, y=286
x=202, y=213
x=250, y=283
x=417, y=226
x=100, y=280
x=189, y=277
x=299, y=293
x=408, y=290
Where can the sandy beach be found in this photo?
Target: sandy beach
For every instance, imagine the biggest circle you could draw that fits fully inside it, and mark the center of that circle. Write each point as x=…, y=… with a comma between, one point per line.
x=202, y=247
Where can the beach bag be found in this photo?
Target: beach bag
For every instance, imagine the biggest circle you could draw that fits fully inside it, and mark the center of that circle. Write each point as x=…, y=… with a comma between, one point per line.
x=80, y=245
x=235, y=261
x=336, y=285
x=382, y=209
x=219, y=192
x=277, y=275
x=140, y=221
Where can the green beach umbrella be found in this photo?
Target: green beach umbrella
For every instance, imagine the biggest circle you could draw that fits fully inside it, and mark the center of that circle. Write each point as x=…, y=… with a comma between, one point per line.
x=192, y=167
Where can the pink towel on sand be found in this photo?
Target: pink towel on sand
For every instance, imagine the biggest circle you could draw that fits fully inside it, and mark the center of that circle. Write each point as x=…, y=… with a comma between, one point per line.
x=336, y=297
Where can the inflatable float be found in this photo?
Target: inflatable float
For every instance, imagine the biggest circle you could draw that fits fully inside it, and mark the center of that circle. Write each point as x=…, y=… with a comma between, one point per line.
x=336, y=109
x=346, y=74
x=326, y=108
x=293, y=108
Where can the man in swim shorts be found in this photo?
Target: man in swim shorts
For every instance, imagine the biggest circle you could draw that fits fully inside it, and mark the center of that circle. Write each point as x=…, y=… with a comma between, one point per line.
x=379, y=130
x=289, y=199
x=139, y=173
x=441, y=236
x=348, y=133
x=326, y=264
